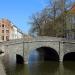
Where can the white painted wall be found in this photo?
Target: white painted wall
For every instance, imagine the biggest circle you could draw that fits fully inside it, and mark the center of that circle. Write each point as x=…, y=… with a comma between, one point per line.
x=15, y=34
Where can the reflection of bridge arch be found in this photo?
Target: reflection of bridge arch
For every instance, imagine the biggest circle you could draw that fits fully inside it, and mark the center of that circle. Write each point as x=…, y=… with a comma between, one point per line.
x=44, y=53
x=69, y=56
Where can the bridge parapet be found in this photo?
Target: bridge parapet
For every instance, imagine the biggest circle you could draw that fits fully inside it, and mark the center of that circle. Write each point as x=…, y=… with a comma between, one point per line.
x=43, y=38
x=24, y=46
x=68, y=46
x=46, y=38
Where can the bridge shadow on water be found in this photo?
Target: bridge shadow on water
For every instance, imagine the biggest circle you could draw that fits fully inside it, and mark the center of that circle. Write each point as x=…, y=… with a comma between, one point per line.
x=69, y=62
x=44, y=68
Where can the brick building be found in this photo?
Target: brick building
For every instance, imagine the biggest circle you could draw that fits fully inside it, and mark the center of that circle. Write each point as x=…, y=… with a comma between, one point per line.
x=9, y=31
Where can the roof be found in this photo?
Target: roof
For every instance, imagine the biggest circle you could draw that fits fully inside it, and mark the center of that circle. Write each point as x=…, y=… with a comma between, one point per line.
x=18, y=29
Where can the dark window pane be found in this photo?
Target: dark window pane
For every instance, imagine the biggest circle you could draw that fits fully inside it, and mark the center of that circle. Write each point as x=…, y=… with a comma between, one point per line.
x=7, y=31
x=2, y=37
x=2, y=25
x=2, y=31
x=7, y=38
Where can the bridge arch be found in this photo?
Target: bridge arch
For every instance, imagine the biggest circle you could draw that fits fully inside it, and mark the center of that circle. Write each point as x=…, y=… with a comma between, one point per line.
x=19, y=59
x=69, y=56
x=44, y=53
x=1, y=51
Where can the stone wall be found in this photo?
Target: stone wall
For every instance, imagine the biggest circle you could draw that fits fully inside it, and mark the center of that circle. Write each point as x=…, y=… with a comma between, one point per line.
x=2, y=68
x=23, y=47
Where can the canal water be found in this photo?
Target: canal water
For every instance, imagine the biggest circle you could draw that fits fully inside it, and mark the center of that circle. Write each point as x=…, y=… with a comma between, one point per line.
x=42, y=68
x=38, y=67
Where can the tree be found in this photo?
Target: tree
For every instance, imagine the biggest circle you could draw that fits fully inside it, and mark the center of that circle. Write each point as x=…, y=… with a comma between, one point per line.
x=51, y=21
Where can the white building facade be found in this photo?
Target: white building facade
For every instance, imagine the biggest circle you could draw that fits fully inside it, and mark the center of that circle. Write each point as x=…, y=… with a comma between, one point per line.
x=16, y=33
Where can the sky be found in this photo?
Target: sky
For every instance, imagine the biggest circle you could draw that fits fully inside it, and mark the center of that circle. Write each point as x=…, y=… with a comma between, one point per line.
x=19, y=11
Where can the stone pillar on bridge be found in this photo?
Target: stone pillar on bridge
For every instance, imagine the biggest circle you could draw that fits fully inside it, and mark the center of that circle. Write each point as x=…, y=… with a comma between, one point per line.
x=61, y=52
x=26, y=57
x=25, y=53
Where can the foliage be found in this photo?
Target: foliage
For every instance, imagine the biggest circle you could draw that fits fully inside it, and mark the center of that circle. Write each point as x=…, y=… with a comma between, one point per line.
x=51, y=21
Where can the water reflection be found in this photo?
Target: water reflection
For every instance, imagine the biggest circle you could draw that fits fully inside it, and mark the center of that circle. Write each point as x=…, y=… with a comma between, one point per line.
x=21, y=69
x=45, y=68
x=40, y=68
x=69, y=67
x=34, y=57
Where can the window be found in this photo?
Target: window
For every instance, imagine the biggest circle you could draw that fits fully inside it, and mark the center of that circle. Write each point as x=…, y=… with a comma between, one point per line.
x=2, y=25
x=7, y=31
x=7, y=38
x=2, y=37
x=2, y=31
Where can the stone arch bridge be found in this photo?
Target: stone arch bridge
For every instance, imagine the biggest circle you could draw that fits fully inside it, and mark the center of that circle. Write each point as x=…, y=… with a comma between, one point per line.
x=23, y=47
